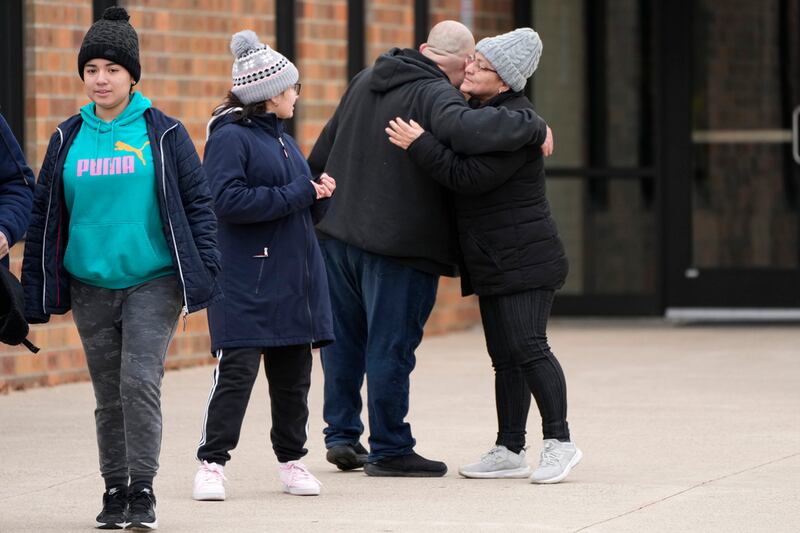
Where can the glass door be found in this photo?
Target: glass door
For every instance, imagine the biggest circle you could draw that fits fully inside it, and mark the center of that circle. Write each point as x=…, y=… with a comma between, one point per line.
x=738, y=215
x=594, y=86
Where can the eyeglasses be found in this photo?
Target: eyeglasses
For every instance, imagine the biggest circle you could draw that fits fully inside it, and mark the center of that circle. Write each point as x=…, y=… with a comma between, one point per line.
x=483, y=68
x=297, y=88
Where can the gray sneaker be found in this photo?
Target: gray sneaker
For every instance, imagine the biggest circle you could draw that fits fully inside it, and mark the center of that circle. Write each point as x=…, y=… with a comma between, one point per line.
x=557, y=459
x=499, y=462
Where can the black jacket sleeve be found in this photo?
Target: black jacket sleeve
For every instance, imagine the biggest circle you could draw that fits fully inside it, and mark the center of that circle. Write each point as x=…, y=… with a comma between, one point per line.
x=319, y=208
x=486, y=129
x=318, y=157
x=465, y=174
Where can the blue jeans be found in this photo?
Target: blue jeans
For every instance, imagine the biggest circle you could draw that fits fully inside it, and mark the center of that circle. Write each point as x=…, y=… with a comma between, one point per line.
x=379, y=310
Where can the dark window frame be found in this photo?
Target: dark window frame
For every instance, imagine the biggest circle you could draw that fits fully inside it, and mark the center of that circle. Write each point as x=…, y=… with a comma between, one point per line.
x=286, y=40
x=356, y=38
x=12, y=85
x=98, y=6
x=421, y=21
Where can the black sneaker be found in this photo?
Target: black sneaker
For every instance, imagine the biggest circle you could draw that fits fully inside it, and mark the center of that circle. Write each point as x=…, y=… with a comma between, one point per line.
x=411, y=465
x=347, y=456
x=142, y=510
x=115, y=500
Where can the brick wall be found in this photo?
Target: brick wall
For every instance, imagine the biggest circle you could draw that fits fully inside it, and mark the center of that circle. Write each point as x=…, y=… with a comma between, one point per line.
x=388, y=24
x=53, y=33
x=185, y=53
x=186, y=66
x=322, y=61
x=492, y=17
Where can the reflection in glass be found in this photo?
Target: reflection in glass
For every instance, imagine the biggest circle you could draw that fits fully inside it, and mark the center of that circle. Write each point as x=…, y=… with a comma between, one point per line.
x=593, y=87
x=611, y=251
x=745, y=85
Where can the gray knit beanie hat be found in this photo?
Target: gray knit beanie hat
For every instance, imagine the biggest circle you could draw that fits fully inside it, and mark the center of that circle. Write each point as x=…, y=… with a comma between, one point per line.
x=112, y=38
x=514, y=55
x=259, y=72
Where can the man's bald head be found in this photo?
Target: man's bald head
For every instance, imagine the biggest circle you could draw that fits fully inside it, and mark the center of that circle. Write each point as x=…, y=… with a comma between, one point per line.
x=448, y=45
x=451, y=36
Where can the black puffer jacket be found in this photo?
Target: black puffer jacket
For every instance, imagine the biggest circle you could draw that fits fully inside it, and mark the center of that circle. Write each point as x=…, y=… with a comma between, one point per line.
x=383, y=203
x=509, y=241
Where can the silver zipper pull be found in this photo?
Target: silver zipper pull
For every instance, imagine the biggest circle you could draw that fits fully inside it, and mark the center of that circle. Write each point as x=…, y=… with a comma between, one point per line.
x=184, y=313
x=265, y=254
x=285, y=153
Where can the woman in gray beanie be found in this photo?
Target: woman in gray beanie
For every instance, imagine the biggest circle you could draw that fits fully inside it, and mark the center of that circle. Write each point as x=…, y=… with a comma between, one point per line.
x=276, y=304
x=512, y=258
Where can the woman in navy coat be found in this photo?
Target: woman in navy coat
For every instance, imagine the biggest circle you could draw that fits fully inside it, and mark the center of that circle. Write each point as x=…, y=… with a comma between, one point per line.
x=273, y=276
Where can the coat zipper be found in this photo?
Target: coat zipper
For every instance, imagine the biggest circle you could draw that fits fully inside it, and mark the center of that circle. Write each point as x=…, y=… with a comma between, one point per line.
x=46, y=221
x=285, y=152
x=185, y=310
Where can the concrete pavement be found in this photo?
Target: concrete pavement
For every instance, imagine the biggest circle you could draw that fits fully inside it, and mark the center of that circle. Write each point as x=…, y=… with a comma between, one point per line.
x=682, y=428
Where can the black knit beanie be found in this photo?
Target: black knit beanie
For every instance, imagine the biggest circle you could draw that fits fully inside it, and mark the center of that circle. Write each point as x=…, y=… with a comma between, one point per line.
x=112, y=38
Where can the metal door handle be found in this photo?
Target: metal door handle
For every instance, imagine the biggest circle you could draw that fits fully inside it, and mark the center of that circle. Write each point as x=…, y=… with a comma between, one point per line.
x=796, y=134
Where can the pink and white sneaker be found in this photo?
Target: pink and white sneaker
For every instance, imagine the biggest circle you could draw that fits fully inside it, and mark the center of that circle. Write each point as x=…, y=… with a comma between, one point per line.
x=208, y=482
x=298, y=480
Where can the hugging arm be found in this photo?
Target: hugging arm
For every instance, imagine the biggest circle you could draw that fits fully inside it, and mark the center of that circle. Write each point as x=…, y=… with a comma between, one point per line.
x=470, y=175
x=486, y=129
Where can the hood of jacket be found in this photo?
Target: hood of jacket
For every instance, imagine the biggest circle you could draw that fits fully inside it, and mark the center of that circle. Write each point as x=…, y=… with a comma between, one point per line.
x=133, y=111
x=400, y=66
x=268, y=121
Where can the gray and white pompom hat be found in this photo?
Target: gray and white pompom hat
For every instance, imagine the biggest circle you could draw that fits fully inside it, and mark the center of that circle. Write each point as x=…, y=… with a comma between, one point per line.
x=514, y=55
x=259, y=72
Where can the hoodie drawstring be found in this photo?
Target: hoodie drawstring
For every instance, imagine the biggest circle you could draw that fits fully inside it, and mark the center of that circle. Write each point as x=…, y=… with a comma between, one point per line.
x=113, y=133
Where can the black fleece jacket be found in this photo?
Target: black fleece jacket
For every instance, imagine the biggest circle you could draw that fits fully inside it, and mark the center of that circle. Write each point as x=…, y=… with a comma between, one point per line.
x=384, y=204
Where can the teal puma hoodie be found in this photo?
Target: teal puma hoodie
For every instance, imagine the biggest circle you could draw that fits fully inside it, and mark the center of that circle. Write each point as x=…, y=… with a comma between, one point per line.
x=116, y=237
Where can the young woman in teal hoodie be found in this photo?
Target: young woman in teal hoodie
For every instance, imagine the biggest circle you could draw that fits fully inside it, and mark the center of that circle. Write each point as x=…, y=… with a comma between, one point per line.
x=124, y=234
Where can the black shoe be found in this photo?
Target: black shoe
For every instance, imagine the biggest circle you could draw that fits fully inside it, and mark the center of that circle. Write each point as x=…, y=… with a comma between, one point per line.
x=142, y=510
x=411, y=465
x=347, y=456
x=115, y=501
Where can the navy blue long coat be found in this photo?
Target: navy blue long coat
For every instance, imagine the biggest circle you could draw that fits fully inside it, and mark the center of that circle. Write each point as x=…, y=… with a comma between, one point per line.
x=16, y=188
x=273, y=274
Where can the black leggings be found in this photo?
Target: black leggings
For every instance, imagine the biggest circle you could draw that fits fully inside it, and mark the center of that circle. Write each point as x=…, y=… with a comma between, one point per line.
x=515, y=326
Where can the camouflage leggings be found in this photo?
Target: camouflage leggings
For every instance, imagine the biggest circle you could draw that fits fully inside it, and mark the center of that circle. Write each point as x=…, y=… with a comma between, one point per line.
x=125, y=334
